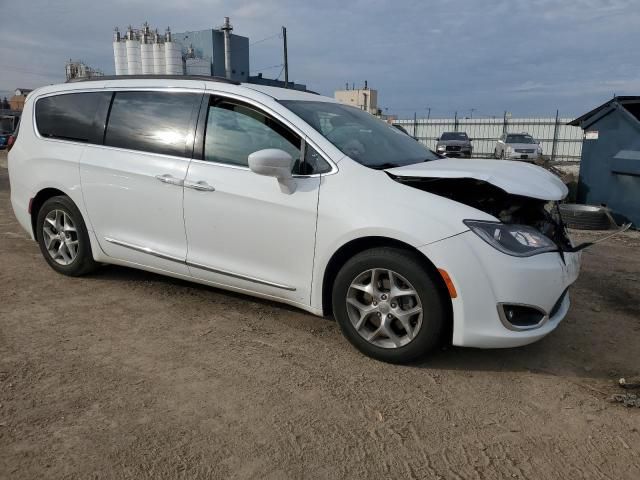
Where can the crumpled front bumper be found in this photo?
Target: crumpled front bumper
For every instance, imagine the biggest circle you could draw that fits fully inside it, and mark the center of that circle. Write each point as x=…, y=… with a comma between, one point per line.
x=484, y=278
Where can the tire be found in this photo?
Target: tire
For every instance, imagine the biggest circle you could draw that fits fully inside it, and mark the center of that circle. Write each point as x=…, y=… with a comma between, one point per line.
x=410, y=273
x=75, y=259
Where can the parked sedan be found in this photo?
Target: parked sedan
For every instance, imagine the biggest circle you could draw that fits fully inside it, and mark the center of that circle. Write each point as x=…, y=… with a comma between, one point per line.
x=517, y=146
x=454, y=144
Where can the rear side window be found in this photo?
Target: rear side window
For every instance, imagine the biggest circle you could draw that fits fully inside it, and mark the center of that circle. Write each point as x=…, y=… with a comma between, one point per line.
x=69, y=116
x=157, y=122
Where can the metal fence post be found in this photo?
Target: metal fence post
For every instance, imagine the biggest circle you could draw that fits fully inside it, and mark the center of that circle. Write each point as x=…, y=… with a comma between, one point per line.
x=504, y=122
x=554, y=147
x=455, y=122
x=415, y=124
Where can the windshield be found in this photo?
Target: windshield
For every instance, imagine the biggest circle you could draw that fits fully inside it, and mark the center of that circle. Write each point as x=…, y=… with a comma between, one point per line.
x=524, y=138
x=454, y=136
x=358, y=134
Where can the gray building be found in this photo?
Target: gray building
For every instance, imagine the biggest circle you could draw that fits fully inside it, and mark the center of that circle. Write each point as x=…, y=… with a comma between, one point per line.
x=209, y=45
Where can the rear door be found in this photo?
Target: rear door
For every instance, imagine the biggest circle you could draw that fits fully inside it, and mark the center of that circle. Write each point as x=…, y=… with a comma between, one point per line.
x=133, y=183
x=243, y=231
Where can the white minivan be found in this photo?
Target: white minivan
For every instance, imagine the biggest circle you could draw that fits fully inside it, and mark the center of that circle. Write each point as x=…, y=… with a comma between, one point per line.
x=293, y=197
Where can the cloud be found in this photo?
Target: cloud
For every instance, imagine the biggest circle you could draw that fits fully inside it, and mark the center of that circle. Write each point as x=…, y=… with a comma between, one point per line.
x=525, y=56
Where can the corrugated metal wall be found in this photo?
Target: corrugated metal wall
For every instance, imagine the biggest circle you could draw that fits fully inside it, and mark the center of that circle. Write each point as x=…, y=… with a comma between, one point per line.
x=486, y=131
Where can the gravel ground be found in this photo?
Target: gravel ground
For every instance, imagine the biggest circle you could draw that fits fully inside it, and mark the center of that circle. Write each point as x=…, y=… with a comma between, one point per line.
x=126, y=374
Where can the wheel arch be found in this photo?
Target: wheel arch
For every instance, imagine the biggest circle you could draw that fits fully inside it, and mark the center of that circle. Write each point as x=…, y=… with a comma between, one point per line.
x=37, y=202
x=361, y=244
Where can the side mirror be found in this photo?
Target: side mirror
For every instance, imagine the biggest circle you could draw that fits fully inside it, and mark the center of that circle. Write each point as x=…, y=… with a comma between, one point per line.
x=273, y=162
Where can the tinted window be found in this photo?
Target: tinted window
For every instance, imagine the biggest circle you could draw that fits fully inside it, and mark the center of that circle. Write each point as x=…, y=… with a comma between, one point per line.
x=313, y=163
x=360, y=135
x=68, y=116
x=234, y=131
x=158, y=122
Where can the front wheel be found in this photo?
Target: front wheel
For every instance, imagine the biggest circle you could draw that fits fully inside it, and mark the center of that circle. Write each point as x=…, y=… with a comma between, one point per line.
x=389, y=305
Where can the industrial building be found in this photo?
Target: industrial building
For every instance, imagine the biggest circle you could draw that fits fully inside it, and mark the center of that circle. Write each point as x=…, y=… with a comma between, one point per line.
x=76, y=69
x=215, y=51
x=363, y=98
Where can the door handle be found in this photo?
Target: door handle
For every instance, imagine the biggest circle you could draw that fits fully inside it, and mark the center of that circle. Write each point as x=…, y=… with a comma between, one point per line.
x=201, y=186
x=171, y=180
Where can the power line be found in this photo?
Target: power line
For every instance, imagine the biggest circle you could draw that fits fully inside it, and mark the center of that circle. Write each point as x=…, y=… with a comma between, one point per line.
x=279, y=35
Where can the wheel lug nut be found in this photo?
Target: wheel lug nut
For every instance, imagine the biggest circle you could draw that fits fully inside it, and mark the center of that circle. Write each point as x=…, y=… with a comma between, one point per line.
x=389, y=316
x=379, y=314
x=383, y=297
x=375, y=303
x=393, y=305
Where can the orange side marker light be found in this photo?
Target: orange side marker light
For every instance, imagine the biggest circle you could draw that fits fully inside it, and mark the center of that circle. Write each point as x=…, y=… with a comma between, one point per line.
x=448, y=282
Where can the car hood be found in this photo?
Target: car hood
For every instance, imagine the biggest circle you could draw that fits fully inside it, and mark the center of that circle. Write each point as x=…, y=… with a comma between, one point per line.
x=516, y=178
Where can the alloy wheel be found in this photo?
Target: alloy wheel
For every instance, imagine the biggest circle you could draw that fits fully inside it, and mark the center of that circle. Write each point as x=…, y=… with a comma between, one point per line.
x=384, y=308
x=60, y=237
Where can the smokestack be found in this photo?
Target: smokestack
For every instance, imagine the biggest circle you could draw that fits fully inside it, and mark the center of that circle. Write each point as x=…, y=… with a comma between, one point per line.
x=227, y=28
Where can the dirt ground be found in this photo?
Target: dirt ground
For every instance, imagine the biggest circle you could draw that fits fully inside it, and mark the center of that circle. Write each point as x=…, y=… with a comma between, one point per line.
x=126, y=374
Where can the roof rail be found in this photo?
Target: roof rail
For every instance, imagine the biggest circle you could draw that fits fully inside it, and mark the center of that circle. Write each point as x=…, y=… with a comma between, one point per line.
x=205, y=78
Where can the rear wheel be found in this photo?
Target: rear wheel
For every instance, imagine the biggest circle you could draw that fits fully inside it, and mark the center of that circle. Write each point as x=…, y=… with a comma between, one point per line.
x=63, y=237
x=389, y=305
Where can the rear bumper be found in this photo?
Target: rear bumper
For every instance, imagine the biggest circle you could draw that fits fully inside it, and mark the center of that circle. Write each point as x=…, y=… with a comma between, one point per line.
x=484, y=278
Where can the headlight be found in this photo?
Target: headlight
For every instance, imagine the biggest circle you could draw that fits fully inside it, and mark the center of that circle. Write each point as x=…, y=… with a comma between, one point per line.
x=516, y=240
x=441, y=148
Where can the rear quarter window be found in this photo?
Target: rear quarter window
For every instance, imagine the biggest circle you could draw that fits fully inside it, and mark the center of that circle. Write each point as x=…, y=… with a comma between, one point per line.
x=69, y=116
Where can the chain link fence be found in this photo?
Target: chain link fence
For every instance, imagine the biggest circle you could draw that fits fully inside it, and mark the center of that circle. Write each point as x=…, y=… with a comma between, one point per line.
x=560, y=142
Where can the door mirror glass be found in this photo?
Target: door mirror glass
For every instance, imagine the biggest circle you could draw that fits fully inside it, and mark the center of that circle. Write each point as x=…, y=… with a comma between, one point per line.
x=274, y=162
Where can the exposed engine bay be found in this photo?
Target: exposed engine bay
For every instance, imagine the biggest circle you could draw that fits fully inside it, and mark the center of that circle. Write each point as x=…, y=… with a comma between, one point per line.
x=542, y=215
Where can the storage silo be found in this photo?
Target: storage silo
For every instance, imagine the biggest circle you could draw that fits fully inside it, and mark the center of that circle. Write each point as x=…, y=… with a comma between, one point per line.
x=158, y=58
x=134, y=62
x=146, y=51
x=119, y=53
x=172, y=55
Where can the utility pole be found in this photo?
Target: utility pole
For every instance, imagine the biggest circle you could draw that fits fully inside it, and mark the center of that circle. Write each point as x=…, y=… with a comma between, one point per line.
x=286, y=60
x=428, y=113
x=472, y=110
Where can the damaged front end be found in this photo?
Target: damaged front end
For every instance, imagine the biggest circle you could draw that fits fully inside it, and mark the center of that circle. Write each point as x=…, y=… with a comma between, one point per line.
x=533, y=216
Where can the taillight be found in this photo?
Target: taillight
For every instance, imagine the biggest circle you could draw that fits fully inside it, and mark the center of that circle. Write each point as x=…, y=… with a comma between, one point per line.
x=10, y=141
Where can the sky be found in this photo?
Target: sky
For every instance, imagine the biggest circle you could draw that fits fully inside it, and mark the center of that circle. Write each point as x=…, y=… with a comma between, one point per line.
x=480, y=57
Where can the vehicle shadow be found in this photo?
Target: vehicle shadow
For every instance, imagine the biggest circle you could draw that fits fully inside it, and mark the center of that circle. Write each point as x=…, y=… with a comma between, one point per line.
x=582, y=347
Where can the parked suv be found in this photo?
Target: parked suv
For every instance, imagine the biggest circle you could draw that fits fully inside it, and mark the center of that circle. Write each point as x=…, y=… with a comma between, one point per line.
x=517, y=146
x=454, y=144
x=296, y=198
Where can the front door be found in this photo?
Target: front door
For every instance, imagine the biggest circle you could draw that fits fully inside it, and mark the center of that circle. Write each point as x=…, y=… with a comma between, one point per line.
x=132, y=185
x=242, y=230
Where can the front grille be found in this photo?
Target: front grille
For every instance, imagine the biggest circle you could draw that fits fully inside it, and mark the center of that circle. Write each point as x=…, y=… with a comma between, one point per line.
x=524, y=150
x=453, y=148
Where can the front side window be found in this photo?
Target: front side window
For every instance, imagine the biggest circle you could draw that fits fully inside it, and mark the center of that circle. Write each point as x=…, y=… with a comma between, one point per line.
x=234, y=131
x=157, y=122
x=360, y=135
x=68, y=116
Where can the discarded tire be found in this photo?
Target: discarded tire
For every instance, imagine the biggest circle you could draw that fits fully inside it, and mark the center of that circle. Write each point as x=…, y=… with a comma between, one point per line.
x=585, y=217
